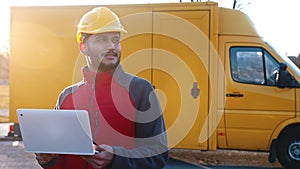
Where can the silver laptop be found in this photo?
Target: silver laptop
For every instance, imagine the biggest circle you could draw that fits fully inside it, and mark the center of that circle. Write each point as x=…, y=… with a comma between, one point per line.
x=56, y=131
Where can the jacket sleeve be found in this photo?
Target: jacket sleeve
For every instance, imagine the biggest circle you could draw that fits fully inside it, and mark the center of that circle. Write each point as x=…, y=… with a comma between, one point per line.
x=151, y=151
x=56, y=163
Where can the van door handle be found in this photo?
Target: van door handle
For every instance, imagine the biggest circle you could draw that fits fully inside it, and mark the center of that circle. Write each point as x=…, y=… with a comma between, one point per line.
x=234, y=95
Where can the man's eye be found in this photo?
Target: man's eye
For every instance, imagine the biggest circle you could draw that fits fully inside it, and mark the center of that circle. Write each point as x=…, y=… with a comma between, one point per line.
x=101, y=40
x=116, y=41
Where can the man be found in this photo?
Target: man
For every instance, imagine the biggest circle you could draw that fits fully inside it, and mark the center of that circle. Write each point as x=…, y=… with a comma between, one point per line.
x=126, y=119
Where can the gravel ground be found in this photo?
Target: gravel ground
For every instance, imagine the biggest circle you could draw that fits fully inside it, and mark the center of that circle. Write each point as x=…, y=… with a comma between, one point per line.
x=13, y=156
x=225, y=158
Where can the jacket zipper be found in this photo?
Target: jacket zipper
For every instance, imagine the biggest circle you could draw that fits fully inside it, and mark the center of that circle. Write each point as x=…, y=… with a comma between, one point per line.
x=91, y=112
x=91, y=109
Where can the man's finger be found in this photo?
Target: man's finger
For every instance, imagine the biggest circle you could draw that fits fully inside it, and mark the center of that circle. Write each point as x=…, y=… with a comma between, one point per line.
x=104, y=147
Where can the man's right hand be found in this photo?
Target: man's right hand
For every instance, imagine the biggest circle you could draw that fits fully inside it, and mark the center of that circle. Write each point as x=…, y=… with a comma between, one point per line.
x=44, y=159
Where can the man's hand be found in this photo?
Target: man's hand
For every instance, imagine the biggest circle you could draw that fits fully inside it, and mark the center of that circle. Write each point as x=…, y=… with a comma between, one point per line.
x=45, y=158
x=102, y=158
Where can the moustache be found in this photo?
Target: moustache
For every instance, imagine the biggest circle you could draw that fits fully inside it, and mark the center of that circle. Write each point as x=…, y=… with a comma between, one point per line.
x=110, y=53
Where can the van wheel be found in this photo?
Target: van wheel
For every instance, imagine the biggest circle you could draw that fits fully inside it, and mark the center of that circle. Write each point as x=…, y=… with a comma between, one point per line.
x=288, y=148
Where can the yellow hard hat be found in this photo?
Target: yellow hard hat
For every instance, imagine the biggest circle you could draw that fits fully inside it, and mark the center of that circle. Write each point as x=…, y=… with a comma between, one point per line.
x=99, y=20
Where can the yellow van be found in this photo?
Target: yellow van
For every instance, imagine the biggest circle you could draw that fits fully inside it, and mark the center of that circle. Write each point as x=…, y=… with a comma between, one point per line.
x=220, y=85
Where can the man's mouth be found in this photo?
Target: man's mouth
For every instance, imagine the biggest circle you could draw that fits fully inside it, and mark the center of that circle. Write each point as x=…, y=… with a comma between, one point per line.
x=111, y=55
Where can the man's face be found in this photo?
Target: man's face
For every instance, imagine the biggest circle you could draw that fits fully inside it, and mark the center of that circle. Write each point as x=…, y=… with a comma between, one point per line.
x=103, y=51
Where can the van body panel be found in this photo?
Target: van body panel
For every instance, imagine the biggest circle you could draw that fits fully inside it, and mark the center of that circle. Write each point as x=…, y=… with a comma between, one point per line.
x=253, y=107
x=234, y=22
x=297, y=99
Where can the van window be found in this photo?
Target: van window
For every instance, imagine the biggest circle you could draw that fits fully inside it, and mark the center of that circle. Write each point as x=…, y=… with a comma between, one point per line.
x=253, y=65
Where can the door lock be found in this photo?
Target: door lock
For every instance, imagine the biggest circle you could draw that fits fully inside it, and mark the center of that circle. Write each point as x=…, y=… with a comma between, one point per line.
x=195, y=91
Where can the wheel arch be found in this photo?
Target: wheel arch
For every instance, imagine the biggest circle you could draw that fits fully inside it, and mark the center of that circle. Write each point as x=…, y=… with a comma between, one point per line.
x=284, y=126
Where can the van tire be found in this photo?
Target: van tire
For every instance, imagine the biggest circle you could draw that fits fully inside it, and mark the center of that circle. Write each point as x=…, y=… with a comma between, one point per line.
x=288, y=147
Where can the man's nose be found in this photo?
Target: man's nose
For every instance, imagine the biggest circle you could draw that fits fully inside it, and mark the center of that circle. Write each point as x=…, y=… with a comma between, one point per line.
x=111, y=45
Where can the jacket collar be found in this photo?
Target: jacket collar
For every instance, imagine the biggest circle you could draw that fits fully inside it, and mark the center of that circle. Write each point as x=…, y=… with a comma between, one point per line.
x=104, y=77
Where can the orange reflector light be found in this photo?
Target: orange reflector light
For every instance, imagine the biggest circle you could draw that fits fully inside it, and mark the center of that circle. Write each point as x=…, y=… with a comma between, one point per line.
x=11, y=128
x=221, y=134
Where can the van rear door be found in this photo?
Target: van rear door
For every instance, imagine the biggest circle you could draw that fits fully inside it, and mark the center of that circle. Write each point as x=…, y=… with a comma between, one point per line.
x=180, y=58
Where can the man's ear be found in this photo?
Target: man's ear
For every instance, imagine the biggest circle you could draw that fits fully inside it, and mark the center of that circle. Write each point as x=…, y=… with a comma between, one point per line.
x=82, y=48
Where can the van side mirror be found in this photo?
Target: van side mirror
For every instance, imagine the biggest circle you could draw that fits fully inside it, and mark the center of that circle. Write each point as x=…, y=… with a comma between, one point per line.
x=283, y=77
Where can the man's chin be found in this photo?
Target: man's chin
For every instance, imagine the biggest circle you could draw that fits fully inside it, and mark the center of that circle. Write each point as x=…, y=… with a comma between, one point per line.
x=107, y=67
